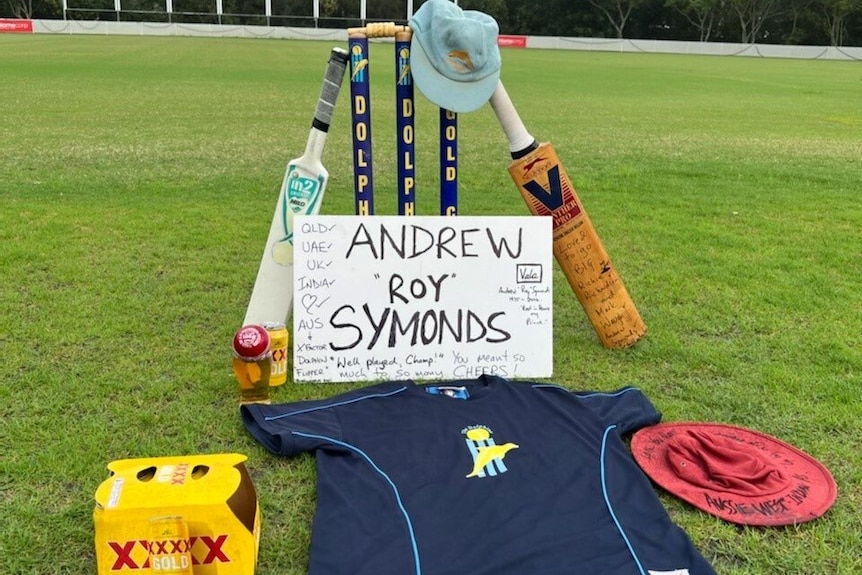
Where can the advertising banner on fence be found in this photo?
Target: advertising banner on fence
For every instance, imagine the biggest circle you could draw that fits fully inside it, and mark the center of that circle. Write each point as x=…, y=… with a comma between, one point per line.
x=8, y=25
x=509, y=41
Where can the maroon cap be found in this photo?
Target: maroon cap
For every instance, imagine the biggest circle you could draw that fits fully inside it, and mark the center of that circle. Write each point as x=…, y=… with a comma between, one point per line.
x=737, y=474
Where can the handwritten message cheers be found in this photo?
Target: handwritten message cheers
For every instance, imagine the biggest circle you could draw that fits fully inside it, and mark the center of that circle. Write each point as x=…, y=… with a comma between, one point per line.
x=424, y=297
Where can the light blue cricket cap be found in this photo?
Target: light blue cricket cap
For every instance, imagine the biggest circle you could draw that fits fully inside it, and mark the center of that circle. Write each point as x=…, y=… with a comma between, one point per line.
x=454, y=55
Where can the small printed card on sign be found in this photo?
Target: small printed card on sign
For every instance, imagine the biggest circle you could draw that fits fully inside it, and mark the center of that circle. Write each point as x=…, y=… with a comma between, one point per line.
x=422, y=297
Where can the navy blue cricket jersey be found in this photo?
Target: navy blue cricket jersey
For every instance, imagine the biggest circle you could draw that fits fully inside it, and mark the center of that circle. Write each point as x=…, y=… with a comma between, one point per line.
x=479, y=477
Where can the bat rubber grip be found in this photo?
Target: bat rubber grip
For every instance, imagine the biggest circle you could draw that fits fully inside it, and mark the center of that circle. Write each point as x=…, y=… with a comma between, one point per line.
x=518, y=154
x=521, y=142
x=330, y=88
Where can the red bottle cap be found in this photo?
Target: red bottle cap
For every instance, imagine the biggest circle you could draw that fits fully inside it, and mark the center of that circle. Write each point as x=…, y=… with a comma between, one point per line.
x=251, y=342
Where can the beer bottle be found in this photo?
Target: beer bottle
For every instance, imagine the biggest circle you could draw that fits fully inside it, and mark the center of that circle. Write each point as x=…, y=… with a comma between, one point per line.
x=252, y=363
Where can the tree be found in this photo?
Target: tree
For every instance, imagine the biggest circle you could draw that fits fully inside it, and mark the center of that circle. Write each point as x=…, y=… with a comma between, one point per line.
x=753, y=14
x=28, y=9
x=22, y=8
x=550, y=18
x=835, y=16
x=797, y=9
x=387, y=10
x=495, y=8
x=701, y=14
x=616, y=11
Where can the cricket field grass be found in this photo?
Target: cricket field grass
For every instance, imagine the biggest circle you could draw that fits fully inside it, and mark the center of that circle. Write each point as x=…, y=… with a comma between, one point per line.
x=138, y=177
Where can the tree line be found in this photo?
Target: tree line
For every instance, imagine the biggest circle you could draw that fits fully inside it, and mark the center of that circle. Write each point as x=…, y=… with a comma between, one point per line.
x=811, y=22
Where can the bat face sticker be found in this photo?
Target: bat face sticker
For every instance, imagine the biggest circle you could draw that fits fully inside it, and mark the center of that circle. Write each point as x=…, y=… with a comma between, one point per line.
x=555, y=196
x=529, y=167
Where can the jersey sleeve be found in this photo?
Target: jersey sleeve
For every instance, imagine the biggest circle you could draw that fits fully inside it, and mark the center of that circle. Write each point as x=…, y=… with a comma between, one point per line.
x=627, y=408
x=291, y=428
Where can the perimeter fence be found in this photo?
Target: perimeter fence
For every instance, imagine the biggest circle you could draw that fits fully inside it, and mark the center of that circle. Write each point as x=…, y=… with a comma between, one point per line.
x=143, y=28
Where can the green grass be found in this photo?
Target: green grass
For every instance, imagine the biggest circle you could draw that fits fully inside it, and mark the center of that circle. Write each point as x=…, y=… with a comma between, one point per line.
x=137, y=182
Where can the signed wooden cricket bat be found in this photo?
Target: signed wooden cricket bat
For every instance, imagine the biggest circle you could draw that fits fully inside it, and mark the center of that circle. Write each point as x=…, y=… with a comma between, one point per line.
x=547, y=190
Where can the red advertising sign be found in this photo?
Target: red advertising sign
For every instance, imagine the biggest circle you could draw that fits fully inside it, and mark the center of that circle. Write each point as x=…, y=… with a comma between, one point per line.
x=509, y=41
x=8, y=25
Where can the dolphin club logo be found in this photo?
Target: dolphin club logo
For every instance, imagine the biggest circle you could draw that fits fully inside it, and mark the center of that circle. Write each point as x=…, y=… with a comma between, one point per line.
x=487, y=455
x=404, y=76
x=359, y=63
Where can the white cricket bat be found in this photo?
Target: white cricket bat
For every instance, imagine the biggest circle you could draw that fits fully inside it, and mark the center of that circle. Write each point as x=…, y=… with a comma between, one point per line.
x=301, y=193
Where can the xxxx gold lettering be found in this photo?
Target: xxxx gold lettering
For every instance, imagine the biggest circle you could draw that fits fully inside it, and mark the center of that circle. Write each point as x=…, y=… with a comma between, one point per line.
x=171, y=563
x=214, y=551
x=169, y=546
x=123, y=552
x=135, y=554
x=179, y=475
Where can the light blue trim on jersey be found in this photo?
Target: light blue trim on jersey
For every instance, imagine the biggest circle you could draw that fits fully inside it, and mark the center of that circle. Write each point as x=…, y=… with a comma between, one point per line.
x=615, y=394
x=388, y=480
x=608, y=501
x=551, y=386
x=585, y=395
x=336, y=404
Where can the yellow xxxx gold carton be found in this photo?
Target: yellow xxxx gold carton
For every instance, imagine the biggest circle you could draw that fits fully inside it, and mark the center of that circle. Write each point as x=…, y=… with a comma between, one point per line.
x=210, y=495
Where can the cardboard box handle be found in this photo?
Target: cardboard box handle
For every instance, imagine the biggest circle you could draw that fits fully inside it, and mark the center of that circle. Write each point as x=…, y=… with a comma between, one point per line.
x=199, y=471
x=147, y=473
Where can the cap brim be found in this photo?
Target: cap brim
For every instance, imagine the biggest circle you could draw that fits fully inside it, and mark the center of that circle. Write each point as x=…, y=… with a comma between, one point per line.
x=460, y=97
x=808, y=497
